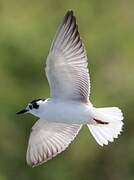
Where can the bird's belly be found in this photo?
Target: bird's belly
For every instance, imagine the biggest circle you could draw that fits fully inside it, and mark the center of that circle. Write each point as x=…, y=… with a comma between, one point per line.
x=66, y=113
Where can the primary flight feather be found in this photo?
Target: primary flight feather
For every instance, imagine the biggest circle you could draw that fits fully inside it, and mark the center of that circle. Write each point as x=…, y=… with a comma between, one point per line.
x=66, y=68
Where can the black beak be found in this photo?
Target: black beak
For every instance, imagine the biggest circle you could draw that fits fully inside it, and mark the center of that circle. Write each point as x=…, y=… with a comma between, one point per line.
x=22, y=111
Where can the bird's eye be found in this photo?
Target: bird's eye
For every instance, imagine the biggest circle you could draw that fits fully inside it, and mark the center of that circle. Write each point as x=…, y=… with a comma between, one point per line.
x=30, y=106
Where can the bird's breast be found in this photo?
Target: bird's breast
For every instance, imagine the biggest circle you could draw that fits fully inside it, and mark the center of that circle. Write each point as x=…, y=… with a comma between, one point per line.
x=65, y=112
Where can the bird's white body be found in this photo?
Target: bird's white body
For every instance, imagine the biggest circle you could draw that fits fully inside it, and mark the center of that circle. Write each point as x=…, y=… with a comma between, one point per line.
x=68, y=108
x=64, y=111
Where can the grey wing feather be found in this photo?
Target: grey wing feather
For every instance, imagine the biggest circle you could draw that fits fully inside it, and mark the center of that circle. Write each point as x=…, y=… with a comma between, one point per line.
x=48, y=140
x=66, y=68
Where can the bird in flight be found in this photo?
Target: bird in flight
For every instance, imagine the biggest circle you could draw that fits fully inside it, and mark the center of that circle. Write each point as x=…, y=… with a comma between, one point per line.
x=62, y=115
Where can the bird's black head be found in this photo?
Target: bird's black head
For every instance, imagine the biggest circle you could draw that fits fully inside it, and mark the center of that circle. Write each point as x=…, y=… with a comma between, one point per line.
x=32, y=105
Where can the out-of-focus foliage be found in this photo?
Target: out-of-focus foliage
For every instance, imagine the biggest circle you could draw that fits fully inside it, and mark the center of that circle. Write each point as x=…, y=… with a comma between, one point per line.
x=26, y=31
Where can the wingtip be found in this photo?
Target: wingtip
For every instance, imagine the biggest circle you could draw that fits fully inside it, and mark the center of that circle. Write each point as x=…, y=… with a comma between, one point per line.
x=69, y=13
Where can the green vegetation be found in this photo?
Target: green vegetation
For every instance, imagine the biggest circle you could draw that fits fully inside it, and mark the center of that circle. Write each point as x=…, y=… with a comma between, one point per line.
x=26, y=31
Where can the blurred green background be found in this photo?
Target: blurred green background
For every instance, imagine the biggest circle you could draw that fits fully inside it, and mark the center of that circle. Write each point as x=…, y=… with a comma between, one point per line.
x=26, y=31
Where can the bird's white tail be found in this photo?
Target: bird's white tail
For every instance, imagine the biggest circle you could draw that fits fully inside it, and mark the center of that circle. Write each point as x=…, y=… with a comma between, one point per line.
x=106, y=124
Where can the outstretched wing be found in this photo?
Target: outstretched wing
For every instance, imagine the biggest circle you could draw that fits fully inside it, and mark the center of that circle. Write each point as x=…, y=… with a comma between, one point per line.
x=66, y=66
x=49, y=139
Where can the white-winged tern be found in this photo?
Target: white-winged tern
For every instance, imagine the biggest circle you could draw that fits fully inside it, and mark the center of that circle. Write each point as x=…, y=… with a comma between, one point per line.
x=62, y=115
